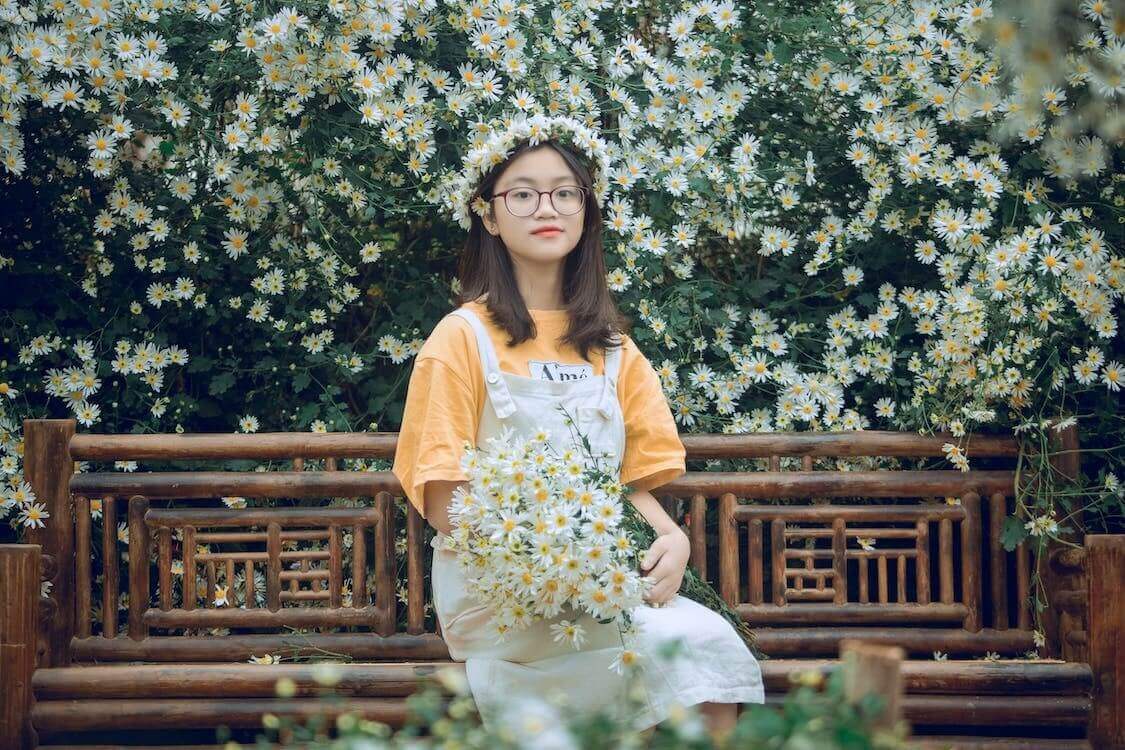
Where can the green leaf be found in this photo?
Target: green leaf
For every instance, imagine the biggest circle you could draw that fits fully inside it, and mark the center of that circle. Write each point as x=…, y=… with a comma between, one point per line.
x=761, y=287
x=200, y=364
x=1030, y=161
x=307, y=413
x=220, y=384
x=795, y=26
x=1013, y=533
x=166, y=148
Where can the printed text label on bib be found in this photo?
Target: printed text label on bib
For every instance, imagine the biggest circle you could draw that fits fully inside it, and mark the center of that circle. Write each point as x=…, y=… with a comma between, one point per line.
x=558, y=371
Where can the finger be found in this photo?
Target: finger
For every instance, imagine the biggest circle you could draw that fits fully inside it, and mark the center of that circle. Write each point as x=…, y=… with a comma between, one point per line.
x=656, y=592
x=661, y=589
x=666, y=588
x=663, y=569
x=652, y=557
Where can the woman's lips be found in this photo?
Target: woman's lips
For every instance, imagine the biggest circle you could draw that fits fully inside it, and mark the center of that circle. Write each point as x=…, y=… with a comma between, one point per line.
x=548, y=233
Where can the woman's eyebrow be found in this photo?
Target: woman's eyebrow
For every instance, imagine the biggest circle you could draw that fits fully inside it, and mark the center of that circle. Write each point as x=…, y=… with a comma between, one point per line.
x=528, y=180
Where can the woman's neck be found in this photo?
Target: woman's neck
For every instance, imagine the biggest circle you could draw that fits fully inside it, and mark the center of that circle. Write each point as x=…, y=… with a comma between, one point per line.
x=541, y=286
x=552, y=304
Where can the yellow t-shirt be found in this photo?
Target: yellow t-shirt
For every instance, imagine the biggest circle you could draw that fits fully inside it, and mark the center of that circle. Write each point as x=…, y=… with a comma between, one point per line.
x=446, y=393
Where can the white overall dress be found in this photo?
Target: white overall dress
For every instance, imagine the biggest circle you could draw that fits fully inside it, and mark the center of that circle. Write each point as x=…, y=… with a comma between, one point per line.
x=714, y=665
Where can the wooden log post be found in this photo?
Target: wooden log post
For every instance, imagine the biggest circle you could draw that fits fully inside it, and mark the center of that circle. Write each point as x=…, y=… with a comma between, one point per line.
x=697, y=532
x=729, y=573
x=48, y=467
x=83, y=562
x=385, y=565
x=755, y=561
x=335, y=567
x=872, y=668
x=1066, y=456
x=1105, y=568
x=997, y=560
x=415, y=571
x=1059, y=626
x=20, y=576
x=971, y=561
x=273, y=567
x=111, y=574
x=140, y=551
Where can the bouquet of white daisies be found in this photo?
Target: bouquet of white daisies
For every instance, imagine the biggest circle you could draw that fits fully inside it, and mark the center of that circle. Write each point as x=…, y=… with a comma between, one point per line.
x=538, y=532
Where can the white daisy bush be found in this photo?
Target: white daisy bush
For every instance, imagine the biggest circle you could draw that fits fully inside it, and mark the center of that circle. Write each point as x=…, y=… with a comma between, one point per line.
x=895, y=214
x=539, y=532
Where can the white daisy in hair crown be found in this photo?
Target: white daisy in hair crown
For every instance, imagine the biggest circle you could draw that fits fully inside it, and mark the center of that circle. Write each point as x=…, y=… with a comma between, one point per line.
x=498, y=144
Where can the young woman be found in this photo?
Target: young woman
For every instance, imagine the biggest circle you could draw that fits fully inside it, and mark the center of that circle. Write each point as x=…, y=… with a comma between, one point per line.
x=536, y=327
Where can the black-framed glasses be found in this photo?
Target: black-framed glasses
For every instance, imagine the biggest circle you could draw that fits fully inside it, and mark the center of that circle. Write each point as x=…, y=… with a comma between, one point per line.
x=524, y=201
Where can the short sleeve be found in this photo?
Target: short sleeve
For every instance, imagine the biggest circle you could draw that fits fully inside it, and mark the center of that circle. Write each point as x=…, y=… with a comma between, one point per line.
x=654, y=454
x=439, y=416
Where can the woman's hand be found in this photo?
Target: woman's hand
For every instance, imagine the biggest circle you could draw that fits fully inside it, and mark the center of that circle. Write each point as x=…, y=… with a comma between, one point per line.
x=665, y=563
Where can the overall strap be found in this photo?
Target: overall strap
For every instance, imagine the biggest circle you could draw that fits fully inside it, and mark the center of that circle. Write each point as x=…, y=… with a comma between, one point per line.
x=494, y=381
x=612, y=369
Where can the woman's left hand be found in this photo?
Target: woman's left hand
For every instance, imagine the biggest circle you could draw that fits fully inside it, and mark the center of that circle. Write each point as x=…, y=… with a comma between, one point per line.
x=665, y=563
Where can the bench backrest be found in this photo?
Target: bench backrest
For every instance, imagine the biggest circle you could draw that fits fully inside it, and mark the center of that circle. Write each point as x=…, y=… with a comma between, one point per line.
x=906, y=555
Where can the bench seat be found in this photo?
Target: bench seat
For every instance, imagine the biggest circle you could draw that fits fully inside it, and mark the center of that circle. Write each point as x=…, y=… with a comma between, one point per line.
x=939, y=694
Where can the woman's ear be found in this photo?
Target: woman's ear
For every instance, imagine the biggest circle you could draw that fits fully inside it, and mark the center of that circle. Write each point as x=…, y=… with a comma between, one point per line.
x=489, y=222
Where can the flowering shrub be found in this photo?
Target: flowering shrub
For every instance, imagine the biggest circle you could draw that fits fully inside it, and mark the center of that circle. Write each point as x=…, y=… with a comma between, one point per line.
x=823, y=216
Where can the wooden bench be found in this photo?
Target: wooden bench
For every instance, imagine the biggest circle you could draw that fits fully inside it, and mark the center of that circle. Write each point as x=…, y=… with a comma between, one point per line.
x=904, y=556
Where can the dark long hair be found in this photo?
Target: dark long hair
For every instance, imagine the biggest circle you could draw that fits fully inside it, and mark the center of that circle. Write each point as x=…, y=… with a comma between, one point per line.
x=486, y=267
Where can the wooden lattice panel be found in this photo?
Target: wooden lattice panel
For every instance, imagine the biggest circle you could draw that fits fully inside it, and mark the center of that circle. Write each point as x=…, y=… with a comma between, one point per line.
x=808, y=555
x=922, y=564
x=246, y=568
x=300, y=551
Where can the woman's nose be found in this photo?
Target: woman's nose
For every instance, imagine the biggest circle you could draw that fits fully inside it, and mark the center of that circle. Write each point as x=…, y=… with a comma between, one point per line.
x=550, y=204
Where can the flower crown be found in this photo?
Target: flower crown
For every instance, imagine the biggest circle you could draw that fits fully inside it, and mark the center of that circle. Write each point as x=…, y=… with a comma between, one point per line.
x=459, y=187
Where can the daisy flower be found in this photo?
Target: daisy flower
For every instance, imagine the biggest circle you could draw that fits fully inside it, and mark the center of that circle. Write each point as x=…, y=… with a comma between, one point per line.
x=626, y=659
x=32, y=515
x=566, y=631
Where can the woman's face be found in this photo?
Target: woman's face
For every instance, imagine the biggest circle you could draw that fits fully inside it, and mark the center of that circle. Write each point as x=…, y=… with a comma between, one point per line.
x=541, y=169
